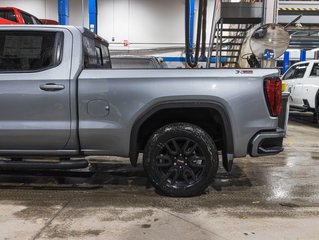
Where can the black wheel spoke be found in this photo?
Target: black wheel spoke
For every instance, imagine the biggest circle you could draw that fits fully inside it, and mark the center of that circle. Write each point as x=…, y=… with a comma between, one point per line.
x=177, y=173
x=176, y=146
x=197, y=162
x=184, y=149
x=172, y=171
x=164, y=161
x=189, y=172
x=191, y=150
x=176, y=149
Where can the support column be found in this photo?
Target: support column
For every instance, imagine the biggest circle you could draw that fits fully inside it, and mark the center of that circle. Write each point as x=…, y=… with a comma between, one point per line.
x=191, y=23
x=286, y=62
x=303, y=55
x=63, y=9
x=93, y=15
x=270, y=11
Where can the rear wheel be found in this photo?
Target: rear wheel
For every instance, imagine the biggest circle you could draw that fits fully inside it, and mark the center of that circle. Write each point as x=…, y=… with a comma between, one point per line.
x=181, y=160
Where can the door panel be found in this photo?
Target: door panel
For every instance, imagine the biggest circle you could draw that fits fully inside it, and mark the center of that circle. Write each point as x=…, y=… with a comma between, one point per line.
x=295, y=80
x=311, y=85
x=300, y=76
x=297, y=92
x=33, y=118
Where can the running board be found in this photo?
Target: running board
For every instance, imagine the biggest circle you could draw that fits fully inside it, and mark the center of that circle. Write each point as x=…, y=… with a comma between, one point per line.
x=43, y=165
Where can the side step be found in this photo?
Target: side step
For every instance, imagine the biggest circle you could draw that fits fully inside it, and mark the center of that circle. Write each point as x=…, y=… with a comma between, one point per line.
x=42, y=165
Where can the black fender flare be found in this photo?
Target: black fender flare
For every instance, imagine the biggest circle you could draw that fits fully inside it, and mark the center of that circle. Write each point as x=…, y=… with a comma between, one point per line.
x=227, y=131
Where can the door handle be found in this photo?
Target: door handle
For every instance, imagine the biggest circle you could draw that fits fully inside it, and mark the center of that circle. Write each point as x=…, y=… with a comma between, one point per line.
x=52, y=87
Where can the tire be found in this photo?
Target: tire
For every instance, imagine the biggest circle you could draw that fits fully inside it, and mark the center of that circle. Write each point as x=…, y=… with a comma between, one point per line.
x=181, y=160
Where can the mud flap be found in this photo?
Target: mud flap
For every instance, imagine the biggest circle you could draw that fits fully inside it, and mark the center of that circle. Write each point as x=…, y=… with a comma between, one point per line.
x=133, y=158
x=227, y=161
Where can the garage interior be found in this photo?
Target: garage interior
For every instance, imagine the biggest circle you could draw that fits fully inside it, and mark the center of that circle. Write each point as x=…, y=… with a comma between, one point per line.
x=273, y=197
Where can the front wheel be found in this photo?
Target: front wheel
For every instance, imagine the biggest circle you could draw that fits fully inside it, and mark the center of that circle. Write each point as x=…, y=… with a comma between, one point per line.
x=181, y=160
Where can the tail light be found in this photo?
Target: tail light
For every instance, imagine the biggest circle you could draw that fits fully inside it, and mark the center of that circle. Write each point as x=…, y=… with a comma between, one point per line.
x=273, y=95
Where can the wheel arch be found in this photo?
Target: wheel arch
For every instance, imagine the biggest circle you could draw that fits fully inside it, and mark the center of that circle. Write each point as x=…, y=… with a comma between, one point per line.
x=228, y=151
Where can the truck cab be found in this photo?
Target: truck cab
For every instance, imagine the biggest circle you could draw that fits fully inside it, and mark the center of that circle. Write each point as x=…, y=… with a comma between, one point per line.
x=40, y=115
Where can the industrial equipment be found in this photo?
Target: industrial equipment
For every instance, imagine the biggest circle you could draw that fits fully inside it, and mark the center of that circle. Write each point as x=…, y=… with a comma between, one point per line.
x=263, y=45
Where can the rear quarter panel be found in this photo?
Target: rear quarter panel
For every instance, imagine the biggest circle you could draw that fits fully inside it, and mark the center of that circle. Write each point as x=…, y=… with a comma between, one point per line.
x=129, y=93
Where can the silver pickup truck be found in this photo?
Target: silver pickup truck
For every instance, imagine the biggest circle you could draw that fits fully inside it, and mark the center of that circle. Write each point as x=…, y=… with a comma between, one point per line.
x=59, y=96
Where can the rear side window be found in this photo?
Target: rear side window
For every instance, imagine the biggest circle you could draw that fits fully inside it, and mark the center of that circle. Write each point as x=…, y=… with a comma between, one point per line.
x=315, y=70
x=90, y=56
x=106, y=57
x=8, y=14
x=96, y=55
x=27, y=18
x=30, y=51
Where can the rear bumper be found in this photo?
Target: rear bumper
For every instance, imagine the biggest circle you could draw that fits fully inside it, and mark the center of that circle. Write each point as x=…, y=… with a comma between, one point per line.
x=267, y=143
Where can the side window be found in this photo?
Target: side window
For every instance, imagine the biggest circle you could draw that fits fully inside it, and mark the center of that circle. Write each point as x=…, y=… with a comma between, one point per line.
x=22, y=51
x=96, y=55
x=89, y=51
x=106, y=57
x=301, y=70
x=315, y=70
x=27, y=18
x=36, y=21
x=297, y=71
x=290, y=74
x=8, y=14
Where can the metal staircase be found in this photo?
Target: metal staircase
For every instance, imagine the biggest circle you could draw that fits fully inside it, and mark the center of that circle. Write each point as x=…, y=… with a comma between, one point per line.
x=229, y=40
x=230, y=32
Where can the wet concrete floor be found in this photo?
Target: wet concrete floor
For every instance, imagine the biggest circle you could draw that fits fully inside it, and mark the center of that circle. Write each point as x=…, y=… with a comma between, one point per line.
x=273, y=197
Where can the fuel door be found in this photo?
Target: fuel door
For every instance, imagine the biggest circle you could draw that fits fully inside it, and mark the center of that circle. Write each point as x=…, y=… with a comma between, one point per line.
x=98, y=108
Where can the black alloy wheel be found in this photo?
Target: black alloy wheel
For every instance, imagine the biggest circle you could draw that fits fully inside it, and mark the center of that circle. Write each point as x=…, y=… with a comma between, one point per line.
x=181, y=160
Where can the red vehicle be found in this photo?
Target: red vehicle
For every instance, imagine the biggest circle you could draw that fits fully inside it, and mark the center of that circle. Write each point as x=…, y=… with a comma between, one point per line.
x=12, y=15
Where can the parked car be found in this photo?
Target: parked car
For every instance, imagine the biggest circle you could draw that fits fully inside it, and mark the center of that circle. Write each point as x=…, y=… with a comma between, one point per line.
x=12, y=15
x=49, y=22
x=137, y=62
x=5, y=21
x=60, y=97
x=302, y=81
